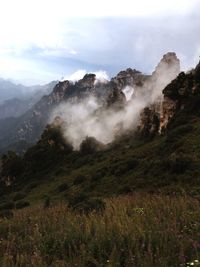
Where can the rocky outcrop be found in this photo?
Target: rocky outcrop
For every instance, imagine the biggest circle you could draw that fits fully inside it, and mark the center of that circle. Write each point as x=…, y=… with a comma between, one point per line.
x=149, y=122
x=176, y=96
x=178, y=93
x=154, y=118
x=169, y=66
x=129, y=77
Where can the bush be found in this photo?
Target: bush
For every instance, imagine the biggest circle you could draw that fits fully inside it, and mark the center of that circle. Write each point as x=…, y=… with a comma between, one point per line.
x=89, y=205
x=62, y=187
x=19, y=196
x=31, y=186
x=47, y=202
x=177, y=163
x=8, y=214
x=178, y=132
x=79, y=180
x=7, y=205
x=99, y=174
x=78, y=199
x=90, y=145
x=12, y=165
x=93, y=204
x=22, y=204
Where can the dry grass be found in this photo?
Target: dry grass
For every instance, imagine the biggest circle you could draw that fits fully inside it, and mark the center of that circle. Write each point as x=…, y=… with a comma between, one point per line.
x=141, y=230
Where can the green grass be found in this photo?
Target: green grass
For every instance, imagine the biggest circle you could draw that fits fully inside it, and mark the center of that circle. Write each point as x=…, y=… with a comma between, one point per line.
x=167, y=164
x=141, y=230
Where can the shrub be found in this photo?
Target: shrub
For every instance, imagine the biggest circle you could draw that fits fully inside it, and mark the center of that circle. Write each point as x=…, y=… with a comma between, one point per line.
x=63, y=187
x=31, y=186
x=93, y=204
x=46, y=202
x=177, y=163
x=90, y=145
x=12, y=165
x=126, y=189
x=79, y=180
x=22, y=204
x=8, y=214
x=7, y=205
x=19, y=196
x=78, y=199
x=178, y=132
x=97, y=176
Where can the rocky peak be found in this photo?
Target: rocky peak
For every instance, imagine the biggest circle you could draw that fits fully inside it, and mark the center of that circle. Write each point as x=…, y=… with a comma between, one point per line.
x=170, y=64
x=87, y=81
x=155, y=118
x=176, y=95
x=116, y=99
x=166, y=70
x=59, y=91
x=128, y=77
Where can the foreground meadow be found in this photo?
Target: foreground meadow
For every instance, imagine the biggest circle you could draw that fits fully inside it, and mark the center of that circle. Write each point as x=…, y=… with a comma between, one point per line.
x=139, y=230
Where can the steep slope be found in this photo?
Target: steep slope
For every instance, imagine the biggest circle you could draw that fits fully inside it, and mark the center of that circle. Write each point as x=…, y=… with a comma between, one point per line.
x=168, y=162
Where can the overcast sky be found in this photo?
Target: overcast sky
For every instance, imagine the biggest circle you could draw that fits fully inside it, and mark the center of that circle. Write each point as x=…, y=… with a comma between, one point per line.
x=43, y=40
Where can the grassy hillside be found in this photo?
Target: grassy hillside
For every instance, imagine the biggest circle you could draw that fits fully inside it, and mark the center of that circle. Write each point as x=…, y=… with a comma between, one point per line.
x=132, y=203
x=169, y=163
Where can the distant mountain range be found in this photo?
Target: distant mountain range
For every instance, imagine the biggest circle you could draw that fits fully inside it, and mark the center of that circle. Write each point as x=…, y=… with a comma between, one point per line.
x=15, y=100
x=19, y=133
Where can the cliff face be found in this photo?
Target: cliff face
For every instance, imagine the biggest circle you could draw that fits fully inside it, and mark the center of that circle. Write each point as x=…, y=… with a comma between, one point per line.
x=152, y=118
x=176, y=96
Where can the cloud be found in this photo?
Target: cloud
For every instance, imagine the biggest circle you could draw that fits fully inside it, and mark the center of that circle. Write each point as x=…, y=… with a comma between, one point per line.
x=101, y=75
x=90, y=116
x=77, y=75
x=109, y=35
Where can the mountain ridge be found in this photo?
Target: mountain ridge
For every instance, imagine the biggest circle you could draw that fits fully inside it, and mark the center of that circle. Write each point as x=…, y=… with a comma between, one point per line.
x=166, y=161
x=28, y=128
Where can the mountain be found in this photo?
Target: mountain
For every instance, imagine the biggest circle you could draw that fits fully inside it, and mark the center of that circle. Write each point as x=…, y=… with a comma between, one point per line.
x=24, y=100
x=15, y=113
x=131, y=202
x=9, y=90
x=161, y=154
x=27, y=128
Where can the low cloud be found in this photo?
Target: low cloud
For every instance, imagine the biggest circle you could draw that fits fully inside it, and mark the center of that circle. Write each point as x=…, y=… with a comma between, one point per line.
x=92, y=117
x=101, y=76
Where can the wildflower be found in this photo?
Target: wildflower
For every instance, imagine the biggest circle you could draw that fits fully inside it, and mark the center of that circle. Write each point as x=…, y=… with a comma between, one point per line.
x=196, y=261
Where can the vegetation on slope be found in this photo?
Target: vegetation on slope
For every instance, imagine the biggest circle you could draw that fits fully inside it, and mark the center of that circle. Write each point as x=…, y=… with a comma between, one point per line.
x=77, y=214
x=167, y=163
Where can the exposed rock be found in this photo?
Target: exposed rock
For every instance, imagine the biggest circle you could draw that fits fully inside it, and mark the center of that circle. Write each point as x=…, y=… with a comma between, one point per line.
x=116, y=98
x=87, y=81
x=176, y=96
x=129, y=77
x=149, y=122
x=154, y=118
x=178, y=93
x=168, y=66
